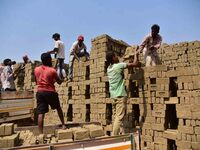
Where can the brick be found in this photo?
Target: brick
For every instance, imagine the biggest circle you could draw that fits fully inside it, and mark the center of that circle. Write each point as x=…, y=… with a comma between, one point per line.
x=162, y=81
x=9, y=128
x=196, y=115
x=172, y=100
x=196, y=145
x=64, y=134
x=160, y=140
x=162, y=93
x=80, y=133
x=158, y=113
x=40, y=138
x=2, y=129
x=198, y=138
x=195, y=107
x=197, y=130
x=12, y=140
x=158, y=127
x=95, y=130
x=3, y=142
x=187, y=130
x=170, y=134
x=188, y=137
x=184, y=144
x=184, y=114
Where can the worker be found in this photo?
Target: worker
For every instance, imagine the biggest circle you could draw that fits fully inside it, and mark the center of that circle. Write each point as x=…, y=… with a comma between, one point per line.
x=75, y=53
x=59, y=51
x=8, y=76
x=117, y=88
x=26, y=59
x=1, y=70
x=46, y=94
x=150, y=45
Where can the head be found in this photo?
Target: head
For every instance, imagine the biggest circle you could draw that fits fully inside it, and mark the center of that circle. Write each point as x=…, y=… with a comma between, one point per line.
x=155, y=30
x=56, y=36
x=13, y=62
x=111, y=58
x=46, y=59
x=7, y=62
x=80, y=39
x=25, y=58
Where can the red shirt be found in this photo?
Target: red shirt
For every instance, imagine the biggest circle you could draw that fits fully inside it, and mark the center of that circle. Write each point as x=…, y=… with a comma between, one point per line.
x=45, y=78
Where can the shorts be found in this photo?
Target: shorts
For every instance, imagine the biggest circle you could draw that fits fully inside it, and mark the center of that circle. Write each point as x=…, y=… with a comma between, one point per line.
x=44, y=99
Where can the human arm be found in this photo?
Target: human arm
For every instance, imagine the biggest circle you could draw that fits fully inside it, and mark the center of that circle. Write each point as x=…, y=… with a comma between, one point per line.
x=144, y=43
x=73, y=50
x=55, y=50
x=135, y=62
x=75, y=55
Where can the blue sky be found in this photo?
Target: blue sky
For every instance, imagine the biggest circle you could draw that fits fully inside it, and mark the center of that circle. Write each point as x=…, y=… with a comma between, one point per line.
x=26, y=26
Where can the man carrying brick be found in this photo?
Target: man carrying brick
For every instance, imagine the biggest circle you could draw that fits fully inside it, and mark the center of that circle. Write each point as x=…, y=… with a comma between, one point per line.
x=46, y=94
x=76, y=53
x=117, y=88
x=59, y=51
x=150, y=45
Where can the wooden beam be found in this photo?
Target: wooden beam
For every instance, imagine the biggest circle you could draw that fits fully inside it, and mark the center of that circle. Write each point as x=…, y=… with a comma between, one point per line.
x=16, y=94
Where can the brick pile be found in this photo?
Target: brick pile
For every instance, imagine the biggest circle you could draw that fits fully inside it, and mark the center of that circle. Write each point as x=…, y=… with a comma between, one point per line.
x=7, y=136
x=163, y=101
x=91, y=131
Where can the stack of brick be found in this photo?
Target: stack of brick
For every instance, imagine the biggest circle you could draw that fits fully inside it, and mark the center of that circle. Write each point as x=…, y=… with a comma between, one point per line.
x=163, y=100
x=29, y=79
x=7, y=136
x=85, y=132
x=89, y=91
x=19, y=81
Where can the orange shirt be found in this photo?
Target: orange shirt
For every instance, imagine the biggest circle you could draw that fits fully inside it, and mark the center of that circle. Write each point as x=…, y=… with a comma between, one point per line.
x=45, y=78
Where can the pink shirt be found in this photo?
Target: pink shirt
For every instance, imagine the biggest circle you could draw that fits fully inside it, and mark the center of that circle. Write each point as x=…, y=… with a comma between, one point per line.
x=45, y=78
x=149, y=41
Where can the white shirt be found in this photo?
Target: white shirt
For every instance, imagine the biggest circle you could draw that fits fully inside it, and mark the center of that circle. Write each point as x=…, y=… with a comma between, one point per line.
x=61, y=49
x=75, y=47
x=1, y=70
x=7, y=78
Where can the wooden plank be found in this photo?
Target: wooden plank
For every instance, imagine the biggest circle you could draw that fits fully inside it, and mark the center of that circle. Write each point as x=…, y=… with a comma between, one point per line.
x=16, y=109
x=16, y=101
x=16, y=94
x=15, y=118
x=13, y=105
x=21, y=112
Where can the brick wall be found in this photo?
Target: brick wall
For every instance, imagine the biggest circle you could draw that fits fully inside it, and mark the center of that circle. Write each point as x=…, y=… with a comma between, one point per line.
x=164, y=101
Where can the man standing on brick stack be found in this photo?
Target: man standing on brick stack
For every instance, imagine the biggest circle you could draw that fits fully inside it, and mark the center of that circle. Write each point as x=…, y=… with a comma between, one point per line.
x=59, y=51
x=76, y=53
x=117, y=88
x=46, y=94
x=150, y=45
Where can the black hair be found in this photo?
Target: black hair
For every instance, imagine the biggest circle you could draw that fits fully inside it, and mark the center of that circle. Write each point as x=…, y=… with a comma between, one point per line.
x=6, y=61
x=155, y=27
x=109, y=57
x=13, y=62
x=46, y=59
x=56, y=35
